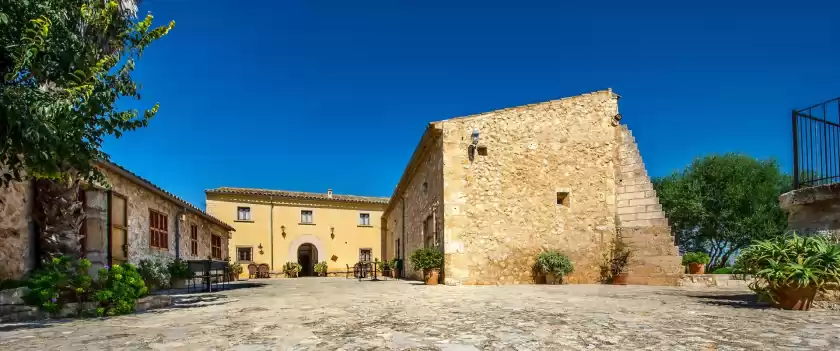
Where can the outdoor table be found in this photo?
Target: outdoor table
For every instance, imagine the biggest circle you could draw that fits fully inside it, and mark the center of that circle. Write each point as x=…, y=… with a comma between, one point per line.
x=206, y=267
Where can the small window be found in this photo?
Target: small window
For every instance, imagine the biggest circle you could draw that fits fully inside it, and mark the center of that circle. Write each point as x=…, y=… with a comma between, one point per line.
x=306, y=217
x=158, y=234
x=243, y=213
x=563, y=198
x=364, y=218
x=365, y=255
x=244, y=253
x=216, y=246
x=194, y=240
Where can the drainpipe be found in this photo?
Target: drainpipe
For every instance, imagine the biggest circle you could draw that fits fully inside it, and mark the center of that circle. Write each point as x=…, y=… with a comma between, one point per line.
x=402, y=257
x=271, y=229
x=182, y=214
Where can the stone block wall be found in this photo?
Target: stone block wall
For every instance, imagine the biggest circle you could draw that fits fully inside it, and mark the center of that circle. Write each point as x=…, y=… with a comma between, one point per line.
x=501, y=207
x=641, y=222
x=140, y=201
x=15, y=239
x=420, y=198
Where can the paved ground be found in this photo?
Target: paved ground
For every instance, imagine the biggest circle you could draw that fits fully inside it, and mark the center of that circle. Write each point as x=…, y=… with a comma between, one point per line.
x=334, y=313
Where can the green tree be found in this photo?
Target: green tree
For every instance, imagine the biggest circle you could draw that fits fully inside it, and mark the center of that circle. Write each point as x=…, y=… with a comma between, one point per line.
x=64, y=65
x=722, y=203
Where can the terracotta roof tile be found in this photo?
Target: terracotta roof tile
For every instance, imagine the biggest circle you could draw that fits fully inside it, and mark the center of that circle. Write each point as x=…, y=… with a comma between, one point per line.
x=298, y=195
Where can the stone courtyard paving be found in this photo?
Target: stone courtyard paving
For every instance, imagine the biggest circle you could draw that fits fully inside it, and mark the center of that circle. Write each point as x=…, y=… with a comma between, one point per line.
x=339, y=314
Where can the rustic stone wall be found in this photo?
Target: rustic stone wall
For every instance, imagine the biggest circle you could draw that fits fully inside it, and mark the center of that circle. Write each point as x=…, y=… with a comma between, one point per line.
x=140, y=201
x=814, y=210
x=641, y=223
x=15, y=239
x=417, y=202
x=501, y=208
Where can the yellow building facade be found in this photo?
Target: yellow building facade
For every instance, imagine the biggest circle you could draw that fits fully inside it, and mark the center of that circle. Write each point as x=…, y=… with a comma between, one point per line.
x=275, y=227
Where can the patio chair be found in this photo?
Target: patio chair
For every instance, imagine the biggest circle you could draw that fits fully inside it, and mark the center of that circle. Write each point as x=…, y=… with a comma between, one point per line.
x=263, y=270
x=252, y=271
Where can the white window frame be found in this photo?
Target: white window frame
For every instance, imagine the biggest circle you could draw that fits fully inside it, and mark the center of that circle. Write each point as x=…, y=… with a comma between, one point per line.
x=304, y=219
x=240, y=210
x=364, y=219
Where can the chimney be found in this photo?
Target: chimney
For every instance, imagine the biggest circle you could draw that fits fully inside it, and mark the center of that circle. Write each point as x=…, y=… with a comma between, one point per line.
x=329, y=193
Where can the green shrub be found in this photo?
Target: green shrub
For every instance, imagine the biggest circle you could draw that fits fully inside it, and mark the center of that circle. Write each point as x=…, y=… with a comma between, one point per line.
x=11, y=284
x=555, y=262
x=426, y=259
x=178, y=269
x=396, y=263
x=58, y=282
x=723, y=270
x=118, y=290
x=790, y=261
x=321, y=267
x=695, y=257
x=155, y=272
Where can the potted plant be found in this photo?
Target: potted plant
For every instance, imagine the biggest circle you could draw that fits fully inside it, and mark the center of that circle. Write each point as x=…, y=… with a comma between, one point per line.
x=429, y=261
x=696, y=262
x=235, y=270
x=291, y=269
x=396, y=265
x=321, y=268
x=179, y=272
x=555, y=265
x=789, y=270
x=617, y=264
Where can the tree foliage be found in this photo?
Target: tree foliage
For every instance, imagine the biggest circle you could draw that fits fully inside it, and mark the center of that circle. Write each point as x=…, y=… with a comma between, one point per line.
x=64, y=65
x=722, y=203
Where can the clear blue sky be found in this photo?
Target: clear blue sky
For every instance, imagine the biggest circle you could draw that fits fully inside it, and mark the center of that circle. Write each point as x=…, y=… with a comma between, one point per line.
x=310, y=95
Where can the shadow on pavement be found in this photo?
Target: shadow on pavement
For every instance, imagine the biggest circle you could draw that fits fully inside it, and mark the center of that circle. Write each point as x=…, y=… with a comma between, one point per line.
x=735, y=299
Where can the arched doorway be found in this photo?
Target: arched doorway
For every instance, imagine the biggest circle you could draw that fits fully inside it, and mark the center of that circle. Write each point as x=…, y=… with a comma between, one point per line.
x=307, y=257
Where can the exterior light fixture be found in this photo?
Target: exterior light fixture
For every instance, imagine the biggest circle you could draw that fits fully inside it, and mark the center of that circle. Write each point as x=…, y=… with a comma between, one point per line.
x=332, y=232
x=471, y=148
x=475, y=135
x=283, y=231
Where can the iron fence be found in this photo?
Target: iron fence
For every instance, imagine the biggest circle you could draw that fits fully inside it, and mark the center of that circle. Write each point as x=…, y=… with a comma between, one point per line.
x=816, y=144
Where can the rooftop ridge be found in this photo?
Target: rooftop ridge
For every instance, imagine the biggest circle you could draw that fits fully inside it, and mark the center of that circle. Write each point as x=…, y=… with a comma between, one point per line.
x=298, y=194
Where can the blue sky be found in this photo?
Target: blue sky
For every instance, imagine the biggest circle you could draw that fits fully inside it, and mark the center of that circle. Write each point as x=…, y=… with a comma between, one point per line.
x=310, y=95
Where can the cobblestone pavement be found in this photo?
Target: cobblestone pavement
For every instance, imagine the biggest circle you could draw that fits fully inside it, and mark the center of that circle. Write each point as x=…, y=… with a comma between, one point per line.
x=334, y=313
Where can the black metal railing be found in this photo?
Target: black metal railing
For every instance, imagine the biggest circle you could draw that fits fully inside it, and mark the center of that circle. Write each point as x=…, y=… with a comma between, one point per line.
x=816, y=144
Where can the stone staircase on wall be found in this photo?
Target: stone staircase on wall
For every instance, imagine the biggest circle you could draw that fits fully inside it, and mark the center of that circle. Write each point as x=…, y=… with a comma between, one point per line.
x=641, y=223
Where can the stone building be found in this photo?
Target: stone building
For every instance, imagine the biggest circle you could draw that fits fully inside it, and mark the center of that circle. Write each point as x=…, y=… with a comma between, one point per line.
x=126, y=221
x=277, y=226
x=493, y=190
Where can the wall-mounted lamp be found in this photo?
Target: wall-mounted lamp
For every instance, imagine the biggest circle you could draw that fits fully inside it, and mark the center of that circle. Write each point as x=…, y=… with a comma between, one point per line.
x=261, y=249
x=332, y=232
x=283, y=231
x=471, y=149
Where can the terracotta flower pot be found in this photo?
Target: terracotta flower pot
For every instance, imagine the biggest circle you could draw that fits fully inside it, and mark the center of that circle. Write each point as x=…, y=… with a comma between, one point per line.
x=696, y=268
x=539, y=279
x=620, y=279
x=550, y=278
x=432, y=276
x=795, y=298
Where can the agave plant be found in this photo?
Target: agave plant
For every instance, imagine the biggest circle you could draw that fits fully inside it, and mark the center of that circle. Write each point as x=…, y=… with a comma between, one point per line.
x=790, y=261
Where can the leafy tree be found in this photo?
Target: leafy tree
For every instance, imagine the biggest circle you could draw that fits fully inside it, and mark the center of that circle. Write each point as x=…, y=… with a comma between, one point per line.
x=64, y=64
x=723, y=203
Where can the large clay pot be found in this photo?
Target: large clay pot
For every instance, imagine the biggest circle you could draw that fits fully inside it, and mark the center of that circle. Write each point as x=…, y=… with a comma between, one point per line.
x=550, y=278
x=795, y=298
x=540, y=279
x=696, y=268
x=179, y=283
x=432, y=276
x=620, y=279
